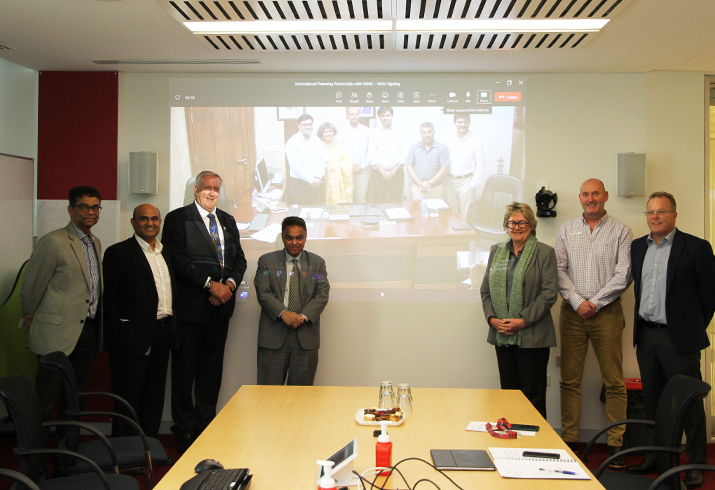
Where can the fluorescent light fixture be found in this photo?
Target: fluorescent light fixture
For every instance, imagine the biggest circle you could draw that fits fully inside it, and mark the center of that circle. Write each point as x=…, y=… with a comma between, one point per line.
x=501, y=25
x=289, y=26
x=402, y=26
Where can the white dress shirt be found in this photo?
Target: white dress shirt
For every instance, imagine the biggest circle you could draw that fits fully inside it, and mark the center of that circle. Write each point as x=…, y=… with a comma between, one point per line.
x=356, y=139
x=162, y=279
x=388, y=147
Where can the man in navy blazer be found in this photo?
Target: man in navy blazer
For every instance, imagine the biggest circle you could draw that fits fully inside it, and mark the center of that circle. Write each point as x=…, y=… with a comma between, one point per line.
x=675, y=301
x=208, y=265
x=292, y=288
x=139, y=320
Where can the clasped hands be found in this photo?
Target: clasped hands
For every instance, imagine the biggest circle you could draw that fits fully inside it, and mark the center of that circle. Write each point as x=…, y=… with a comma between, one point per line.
x=220, y=293
x=292, y=319
x=388, y=175
x=586, y=310
x=507, y=326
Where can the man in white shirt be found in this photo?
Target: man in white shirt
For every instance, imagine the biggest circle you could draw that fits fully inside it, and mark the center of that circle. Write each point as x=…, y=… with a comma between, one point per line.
x=466, y=171
x=356, y=137
x=387, y=151
x=306, y=161
x=139, y=320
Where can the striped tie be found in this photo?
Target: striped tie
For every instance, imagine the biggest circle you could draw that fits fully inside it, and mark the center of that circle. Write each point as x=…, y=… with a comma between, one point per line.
x=294, y=289
x=213, y=231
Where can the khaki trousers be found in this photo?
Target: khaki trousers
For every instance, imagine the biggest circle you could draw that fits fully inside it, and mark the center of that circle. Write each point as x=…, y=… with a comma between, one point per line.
x=605, y=331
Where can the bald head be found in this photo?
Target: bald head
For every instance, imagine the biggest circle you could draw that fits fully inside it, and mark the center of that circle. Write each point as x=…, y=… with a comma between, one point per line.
x=593, y=197
x=146, y=221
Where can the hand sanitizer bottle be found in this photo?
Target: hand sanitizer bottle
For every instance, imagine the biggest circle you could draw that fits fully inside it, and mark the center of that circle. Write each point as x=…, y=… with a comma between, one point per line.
x=326, y=482
x=383, y=450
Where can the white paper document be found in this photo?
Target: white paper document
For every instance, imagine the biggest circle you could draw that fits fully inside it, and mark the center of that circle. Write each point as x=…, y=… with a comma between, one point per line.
x=268, y=234
x=397, y=213
x=511, y=463
x=436, y=204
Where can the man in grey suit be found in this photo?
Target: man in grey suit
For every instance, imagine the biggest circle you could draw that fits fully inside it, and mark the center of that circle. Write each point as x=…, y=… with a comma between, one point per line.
x=292, y=288
x=61, y=295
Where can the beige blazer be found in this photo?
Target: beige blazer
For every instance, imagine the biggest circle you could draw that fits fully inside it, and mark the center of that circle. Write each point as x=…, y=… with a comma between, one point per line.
x=56, y=291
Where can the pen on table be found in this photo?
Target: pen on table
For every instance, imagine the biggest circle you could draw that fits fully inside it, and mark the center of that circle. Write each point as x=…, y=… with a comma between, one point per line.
x=559, y=471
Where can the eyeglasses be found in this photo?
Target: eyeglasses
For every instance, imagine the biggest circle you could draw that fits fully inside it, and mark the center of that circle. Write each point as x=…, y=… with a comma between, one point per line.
x=660, y=213
x=84, y=209
x=514, y=224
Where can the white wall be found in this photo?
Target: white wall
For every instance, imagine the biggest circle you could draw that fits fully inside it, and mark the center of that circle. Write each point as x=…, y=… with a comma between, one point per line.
x=18, y=137
x=577, y=124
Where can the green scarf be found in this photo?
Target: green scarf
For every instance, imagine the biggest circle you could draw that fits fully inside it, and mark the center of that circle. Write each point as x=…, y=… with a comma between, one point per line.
x=497, y=286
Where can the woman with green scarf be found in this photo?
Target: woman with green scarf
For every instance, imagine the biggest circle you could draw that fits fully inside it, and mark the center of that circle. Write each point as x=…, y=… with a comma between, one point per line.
x=519, y=288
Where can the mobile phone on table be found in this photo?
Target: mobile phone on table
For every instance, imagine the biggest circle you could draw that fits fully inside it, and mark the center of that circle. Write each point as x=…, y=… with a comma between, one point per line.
x=538, y=454
x=532, y=428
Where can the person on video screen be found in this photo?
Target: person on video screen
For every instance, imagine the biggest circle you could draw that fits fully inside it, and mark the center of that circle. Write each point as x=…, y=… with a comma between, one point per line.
x=427, y=164
x=306, y=161
x=466, y=172
x=387, y=151
x=356, y=137
x=338, y=170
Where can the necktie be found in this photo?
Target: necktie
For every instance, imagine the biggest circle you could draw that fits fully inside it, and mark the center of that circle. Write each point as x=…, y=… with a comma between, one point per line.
x=213, y=231
x=294, y=289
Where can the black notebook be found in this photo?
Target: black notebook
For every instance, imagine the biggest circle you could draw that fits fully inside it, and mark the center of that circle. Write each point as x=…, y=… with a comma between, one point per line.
x=462, y=459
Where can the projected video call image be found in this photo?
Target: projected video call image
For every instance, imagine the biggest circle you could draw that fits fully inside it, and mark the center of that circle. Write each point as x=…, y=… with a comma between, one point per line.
x=394, y=197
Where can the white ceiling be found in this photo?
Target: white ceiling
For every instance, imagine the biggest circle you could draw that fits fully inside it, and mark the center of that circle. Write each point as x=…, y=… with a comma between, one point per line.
x=643, y=35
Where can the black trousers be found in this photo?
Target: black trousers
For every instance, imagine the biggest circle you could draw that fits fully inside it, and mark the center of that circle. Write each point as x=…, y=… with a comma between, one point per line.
x=142, y=382
x=658, y=362
x=196, y=369
x=48, y=382
x=382, y=190
x=525, y=370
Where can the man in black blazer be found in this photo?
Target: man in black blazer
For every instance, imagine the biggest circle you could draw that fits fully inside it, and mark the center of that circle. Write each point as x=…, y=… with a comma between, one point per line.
x=208, y=265
x=675, y=301
x=138, y=320
x=292, y=288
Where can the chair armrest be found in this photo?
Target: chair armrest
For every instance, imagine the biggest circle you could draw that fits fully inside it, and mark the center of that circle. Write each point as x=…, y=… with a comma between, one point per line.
x=95, y=468
x=94, y=431
x=604, y=429
x=679, y=469
x=118, y=398
x=128, y=420
x=17, y=476
x=636, y=450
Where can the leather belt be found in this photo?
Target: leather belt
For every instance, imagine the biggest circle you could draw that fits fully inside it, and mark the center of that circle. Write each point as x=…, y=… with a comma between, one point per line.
x=161, y=322
x=648, y=324
x=462, y=176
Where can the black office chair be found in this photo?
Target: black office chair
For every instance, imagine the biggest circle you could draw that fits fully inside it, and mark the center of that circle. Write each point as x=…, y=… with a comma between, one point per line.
x=23, y=406
x=134, y=453
x=679, y=395
x=677, y=470
x=19, y=477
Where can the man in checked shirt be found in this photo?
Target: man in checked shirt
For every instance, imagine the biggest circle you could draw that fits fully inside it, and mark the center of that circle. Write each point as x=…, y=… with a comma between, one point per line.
x=593, y=257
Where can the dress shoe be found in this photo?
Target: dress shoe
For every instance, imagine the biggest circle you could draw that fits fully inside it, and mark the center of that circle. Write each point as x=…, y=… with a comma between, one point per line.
x=693, y=479
x=573, y=446
x=619, y=463
x=183, y=442
x=645, y=466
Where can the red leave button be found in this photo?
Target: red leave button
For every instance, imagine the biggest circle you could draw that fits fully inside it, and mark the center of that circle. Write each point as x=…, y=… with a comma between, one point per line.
x=507, y=96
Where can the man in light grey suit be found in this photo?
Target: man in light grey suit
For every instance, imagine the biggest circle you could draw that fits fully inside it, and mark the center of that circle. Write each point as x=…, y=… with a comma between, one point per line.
x=292, y=288
x=61, y=295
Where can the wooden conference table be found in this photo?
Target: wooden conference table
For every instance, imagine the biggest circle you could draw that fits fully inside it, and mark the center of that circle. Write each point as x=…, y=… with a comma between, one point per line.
x=405, y=247
x=279, y=432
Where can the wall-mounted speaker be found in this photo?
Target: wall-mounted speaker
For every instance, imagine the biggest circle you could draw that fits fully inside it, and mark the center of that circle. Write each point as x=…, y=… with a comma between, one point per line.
x=143, y=172
x=631, y=174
